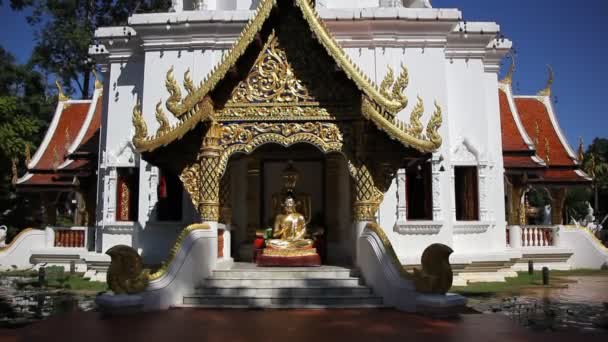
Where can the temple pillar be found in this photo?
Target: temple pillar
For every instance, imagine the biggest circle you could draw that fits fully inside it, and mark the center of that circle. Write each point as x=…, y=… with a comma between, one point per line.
x=517, y=212
x=225, y=227
x=366, y=201
x=558, y=196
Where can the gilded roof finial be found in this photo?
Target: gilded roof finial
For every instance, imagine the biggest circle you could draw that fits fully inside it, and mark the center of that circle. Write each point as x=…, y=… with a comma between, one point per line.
x=28, y=154
x=98, y=84
x=14, y=171
x=547, y=90
x=581, y=150
x=60, y=94
x=508, y=79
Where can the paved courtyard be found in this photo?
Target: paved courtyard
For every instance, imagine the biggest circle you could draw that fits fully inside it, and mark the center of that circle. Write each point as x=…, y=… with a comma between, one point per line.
x=182, y=325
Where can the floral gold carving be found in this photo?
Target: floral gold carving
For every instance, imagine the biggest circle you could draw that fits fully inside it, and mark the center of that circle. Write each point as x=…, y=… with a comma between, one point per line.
x=415, y=123
x=124, y=202
x=271, y=79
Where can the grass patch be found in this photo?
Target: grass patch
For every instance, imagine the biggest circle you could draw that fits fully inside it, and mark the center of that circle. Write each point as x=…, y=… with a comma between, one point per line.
x=56, y=277
x=513, y=286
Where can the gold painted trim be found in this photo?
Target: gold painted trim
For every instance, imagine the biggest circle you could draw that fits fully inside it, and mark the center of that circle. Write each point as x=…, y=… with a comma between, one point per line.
x=388, y=246
x=353, y=72
x=176, y=247
x=23, y=232
x=398, y=130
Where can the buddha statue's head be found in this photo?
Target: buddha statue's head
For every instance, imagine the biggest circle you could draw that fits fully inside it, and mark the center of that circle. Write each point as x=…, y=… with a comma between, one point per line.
x=290, y=177
x=289, y=205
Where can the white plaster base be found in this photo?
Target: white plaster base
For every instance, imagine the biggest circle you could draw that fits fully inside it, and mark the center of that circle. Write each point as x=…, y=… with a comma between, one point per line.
x=112, y=304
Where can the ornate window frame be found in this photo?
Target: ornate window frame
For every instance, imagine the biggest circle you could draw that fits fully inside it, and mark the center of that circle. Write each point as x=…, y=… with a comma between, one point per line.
x=416, y=227
x=465, y=154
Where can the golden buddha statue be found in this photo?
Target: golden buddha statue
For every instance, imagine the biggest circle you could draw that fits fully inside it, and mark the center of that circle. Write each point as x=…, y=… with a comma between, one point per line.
x=289, y=229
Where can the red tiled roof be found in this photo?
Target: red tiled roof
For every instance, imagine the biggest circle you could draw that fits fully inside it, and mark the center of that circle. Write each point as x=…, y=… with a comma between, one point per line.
x=512, y=139
x=54, y=166
x=533, y=111
x=564, y=176
x=521, y=162
x=70, y=123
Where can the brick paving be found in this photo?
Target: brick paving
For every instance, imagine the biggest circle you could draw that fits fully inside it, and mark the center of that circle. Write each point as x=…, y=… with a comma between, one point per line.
x=183, y=325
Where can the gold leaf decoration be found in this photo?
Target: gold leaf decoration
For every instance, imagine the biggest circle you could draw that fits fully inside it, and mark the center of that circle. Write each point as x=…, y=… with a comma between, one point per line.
x=175, y=93
x=415, y=123
x=547, y=90
x=387, y=82
x=141, y=129
x=163, y=122
x=271, y=79
x=399, y=88
x=188, y=84
x=15, y=173
x=432, y=128
x=60, y=94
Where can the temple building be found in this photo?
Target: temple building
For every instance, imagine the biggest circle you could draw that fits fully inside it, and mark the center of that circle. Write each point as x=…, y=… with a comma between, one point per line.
x=376, y=128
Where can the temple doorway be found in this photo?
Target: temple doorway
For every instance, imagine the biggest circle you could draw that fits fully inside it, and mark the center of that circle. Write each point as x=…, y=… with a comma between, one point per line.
x=322, y=193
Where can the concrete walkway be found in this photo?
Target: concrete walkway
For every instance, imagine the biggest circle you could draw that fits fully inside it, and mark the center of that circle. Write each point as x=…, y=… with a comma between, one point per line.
x=183, y=325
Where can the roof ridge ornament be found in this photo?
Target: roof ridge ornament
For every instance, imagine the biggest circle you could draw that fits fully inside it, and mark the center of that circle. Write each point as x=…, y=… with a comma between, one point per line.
x=61, y=96
x=547, y=90
x=141, y=129
x=28, y=154
x=581, y=150
x=508, y=79
x=163, y=122
x=98, y=84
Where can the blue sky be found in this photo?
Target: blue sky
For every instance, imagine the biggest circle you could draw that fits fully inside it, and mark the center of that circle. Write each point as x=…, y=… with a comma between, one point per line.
x=569, y=35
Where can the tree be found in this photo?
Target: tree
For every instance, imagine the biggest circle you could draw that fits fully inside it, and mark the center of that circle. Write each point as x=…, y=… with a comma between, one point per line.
x=595, y=163
x=24, y=113
x=65, y=29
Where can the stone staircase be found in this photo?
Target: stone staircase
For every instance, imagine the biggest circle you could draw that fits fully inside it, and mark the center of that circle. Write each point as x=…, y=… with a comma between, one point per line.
x=248, y=286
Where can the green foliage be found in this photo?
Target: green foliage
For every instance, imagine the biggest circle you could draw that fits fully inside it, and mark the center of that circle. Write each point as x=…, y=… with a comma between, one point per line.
x=595, y=163
x=24, y=113
x=65, y=29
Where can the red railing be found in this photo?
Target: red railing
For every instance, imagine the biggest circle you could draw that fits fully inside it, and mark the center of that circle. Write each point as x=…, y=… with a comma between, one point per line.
x=69, y=238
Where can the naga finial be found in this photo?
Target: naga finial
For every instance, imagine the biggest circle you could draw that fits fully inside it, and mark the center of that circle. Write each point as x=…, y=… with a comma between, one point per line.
x=415, y=127
x=141, y=129
x=581, y=150
x=28, y=154
x=60, y=94
x=432, y=128
x=547, y=90
x=163, y=122
x=98, y=84
x=508, y=79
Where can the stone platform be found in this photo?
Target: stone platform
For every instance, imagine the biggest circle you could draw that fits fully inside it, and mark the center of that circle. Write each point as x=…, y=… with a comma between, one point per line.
x=294, y=261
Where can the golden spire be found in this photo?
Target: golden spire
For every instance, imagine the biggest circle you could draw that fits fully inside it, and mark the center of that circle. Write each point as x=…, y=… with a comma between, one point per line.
x=28, y=154
x=509, y=76
x=547, y=90
x=581, y=150
x=60, y=94
x=14, y=171
x=547, y=151
x=98, y=84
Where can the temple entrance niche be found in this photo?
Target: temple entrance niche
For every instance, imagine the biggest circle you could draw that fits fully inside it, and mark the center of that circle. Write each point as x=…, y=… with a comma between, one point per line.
x=321, y=192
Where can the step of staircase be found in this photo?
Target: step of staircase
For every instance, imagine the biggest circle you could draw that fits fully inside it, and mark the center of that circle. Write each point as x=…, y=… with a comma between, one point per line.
x=247, y=286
